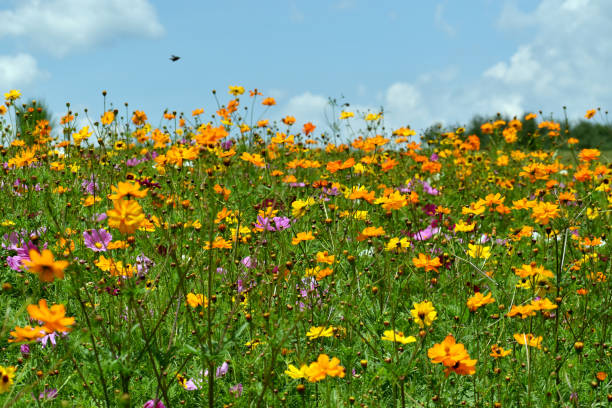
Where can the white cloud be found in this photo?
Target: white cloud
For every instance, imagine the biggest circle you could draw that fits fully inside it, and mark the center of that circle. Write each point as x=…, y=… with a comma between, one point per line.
x=18, y=70
x=62, y=26
x=441, y=22
x=307, y=107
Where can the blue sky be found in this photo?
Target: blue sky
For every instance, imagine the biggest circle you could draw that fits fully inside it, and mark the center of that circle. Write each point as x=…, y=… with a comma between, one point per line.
x=424, y=62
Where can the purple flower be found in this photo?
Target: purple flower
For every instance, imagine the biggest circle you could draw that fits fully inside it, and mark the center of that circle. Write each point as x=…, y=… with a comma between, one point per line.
x=249, y=262
x=154, y=403
x=426, y=234
x=227, y=144
x=236, y=390
x=25, y=350
x=48, y=338
x=190, y=385
x=281, y=223
x=90, y=186
x=143, y=264
x=97, y=240
x=47, y=394
x=222, y=370
x=264, y=223
x=429, y=189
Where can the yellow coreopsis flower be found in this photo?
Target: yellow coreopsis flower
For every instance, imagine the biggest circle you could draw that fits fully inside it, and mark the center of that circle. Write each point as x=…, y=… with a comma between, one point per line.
x=397, y=336
x=479, y=251
x=424, y=313
x=320, y=331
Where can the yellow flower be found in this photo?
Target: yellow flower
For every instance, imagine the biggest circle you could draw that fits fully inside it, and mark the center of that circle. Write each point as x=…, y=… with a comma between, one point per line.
x=397, y=336
x=81, y=135
x=424, y=313
x=126, y=216
x=295, y=373
x=44, y=265
x=6, y=377
x=479, y=251
x=325, y=257
x=302, y=236
x=107, y=118
x=462, y=227
x=195, y=300
x=12, y=95
x=346, y=115
x=236, y=90
x=528, y=339
x=320, y=331
x=498, y=351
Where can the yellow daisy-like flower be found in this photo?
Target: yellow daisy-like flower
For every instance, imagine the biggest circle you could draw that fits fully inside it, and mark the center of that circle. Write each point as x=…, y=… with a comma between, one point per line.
x=320, y=331
x=424, y=313
x=397, y=336
x=6, y=378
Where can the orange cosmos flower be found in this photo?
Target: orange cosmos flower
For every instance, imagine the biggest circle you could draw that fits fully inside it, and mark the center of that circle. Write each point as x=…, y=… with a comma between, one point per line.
x=126, y=216
x=128, y=190
x=543, y=212
x=425, y=261
x=139, y=118
x=107, y=118
x=590, y=113
x=324, y=367
x=254, y=159
x=370, y=232
x=302, y=236
x=308, y=128
x=528, y=339
x=453, y=356
x=268, y=102
x=45, y=266
x=54, y=319
x=479, y=300
x=26, y=334
x=288, y=120
x=588, y=155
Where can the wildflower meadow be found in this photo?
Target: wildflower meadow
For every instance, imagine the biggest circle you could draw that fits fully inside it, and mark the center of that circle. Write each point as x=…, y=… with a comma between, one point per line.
x=217, y=258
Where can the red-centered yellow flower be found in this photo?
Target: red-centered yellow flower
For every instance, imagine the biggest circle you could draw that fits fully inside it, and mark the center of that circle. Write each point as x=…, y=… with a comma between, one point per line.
x=127, y=190
x=6, y=378
x=323, y=367
x=590, y=113
x=424, y=313
x=297, y=373
x=426, y=262
x=320, y=331
x=45, y=266
x=498, y=351
x=126, y=216
x=26, y=334
x=479, y=300
x=302, y=236
x=54, y=319
x=397, y=337
x=543, y=212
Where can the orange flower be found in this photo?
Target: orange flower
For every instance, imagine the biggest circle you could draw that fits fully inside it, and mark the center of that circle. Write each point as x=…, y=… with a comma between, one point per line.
x=268, y=102
x=197, y=112
x=27, y=333
x=543, y=212
x=128, y=190
x=54, y=319
x=590, y=113
x=139, y=118
x=453, y=356
x=479, y=300
x=587, y=155
x=126, y=216
x=370, y=232
x=308, y=128
x=107, y=118
x=219, y=243
x=254, y=159
x=497, y=351
x=302, y=236
x=45, y=266
x=288, y=120
x=324, y=367
x=528, y=339
x=425, y=261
